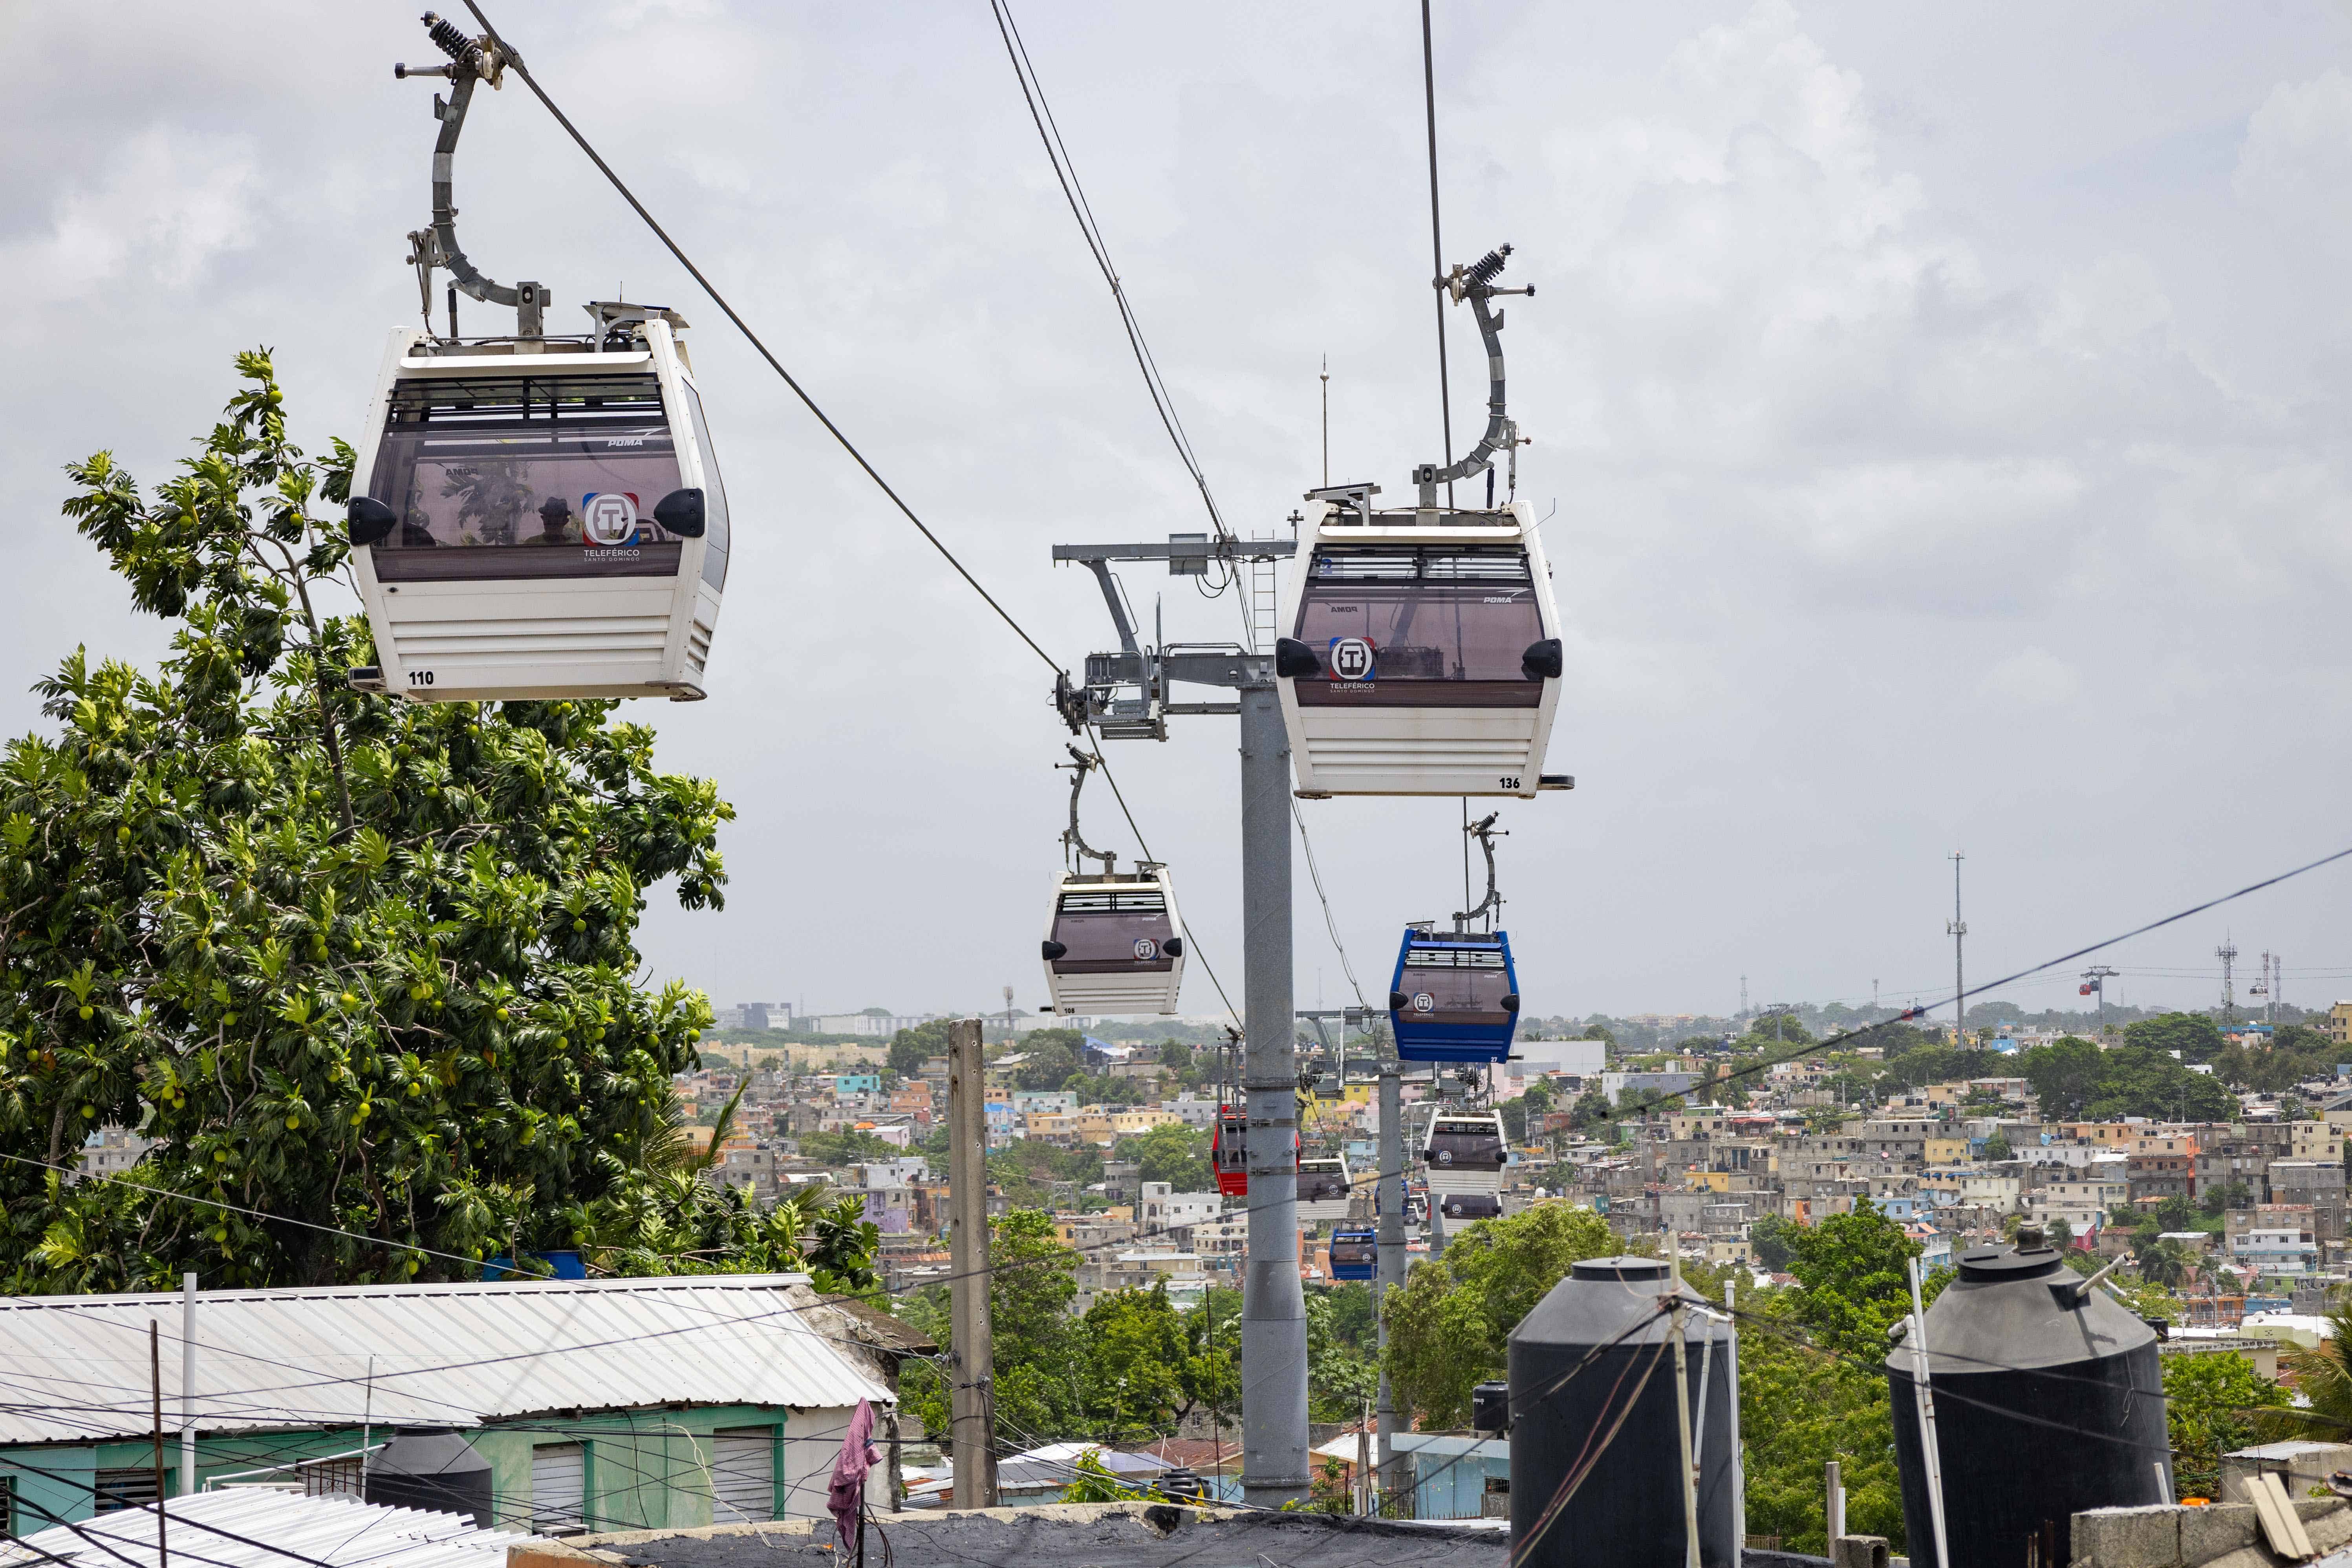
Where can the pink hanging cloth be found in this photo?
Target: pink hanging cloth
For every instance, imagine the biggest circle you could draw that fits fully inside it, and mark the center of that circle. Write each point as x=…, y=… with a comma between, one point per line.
x=845, y=1494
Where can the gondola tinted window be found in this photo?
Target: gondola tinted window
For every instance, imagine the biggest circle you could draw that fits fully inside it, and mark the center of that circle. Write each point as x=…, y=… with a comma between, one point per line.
x=1322, y=1181
x=527, y=477
x=1464, y=986
x=1465, y=1146
x=1107, y=929
x=714, y=500
x=1420, y=626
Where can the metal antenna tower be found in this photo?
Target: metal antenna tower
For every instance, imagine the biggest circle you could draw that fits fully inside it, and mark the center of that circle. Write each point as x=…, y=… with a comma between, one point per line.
x=2228, y=954
x=1743, y=996
x=1958, y=930
x=1126, y=696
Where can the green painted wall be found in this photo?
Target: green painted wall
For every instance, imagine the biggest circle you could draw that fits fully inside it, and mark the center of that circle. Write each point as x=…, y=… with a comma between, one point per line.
x=646, y=1468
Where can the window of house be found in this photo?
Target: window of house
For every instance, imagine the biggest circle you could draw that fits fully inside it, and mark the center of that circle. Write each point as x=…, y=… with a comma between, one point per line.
x=743, y=1475
x=559, y=1488
x=132, y=1486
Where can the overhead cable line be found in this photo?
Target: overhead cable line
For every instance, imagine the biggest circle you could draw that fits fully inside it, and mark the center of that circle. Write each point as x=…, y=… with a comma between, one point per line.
x=744, y=327
x=1315, y=875
x=1437, y=242
x=1117, y=795
x=1041, y=114
x=1057, y=153
x=1815, y=1047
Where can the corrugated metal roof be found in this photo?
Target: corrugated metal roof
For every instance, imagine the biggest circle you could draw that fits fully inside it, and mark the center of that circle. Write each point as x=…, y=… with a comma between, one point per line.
x=336, y=1530
x=75, y=1367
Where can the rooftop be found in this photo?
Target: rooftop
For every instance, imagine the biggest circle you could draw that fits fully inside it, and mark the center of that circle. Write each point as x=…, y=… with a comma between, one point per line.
x=446, y=1354
x=257, y=1528
x=1065, y=1535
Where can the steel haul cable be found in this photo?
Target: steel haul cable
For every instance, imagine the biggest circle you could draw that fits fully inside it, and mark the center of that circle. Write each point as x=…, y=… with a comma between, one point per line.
x=1041, y=114
x=754, y=338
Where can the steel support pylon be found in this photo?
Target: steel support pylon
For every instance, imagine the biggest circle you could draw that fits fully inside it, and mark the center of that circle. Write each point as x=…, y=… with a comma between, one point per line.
x=1274, y=1307
x=1390, y=1272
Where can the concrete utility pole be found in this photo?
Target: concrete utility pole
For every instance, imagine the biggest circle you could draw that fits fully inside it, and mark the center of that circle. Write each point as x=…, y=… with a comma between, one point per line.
x=1390, y=1243
x=1958, y=930
x=972, y=1391
x=188, y=1385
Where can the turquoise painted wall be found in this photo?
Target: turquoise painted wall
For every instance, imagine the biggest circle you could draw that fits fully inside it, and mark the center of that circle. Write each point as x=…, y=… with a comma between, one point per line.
x=645, y=1469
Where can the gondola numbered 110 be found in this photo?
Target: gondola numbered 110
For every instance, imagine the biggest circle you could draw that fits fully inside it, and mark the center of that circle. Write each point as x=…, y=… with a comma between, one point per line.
x=531, y=516
x=546, y=524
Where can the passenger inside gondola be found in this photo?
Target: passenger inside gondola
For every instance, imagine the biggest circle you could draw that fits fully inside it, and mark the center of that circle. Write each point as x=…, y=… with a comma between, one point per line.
x=555, y=524
x=464, y=463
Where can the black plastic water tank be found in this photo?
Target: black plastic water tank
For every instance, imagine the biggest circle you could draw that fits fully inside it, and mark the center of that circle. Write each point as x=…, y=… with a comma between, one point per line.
x=2048, y=1401
x=433, y=1468
x=1628, y=1512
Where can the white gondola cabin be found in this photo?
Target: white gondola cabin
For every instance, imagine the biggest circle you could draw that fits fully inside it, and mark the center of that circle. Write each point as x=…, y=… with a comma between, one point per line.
x=1422, y=653
x=1464, y=1153
x=540, y=518
x=1324, y=1189
x=1114, y=943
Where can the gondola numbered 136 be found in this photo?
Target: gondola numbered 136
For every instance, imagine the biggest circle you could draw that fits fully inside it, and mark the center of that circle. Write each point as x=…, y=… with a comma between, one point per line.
x=1422, y=654
x=533, y=516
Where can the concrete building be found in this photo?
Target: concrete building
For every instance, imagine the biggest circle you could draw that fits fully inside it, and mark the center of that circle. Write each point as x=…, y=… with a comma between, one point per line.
x=748, y=1375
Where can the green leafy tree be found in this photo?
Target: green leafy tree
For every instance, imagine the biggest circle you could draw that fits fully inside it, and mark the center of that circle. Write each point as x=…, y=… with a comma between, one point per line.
x=2214, y=1405
x=1800, y=1406
x=2322, y=1376
x=2218, y=1200
x=1177, y=1155
x=1052, y=1055
x=1212, y=1354
x=1038, y=1360
x=1340, y=1375
x=1767, y=1237
x=1448, y=1322
x=1852, y=1280
x=1592, y=1110
x=2196, y=1036
x=1092, y=1482
x=2162, y=1261
x=350, y=961
x=848, y=1147
x=2066, y=1074
x=1135, y=1355
x=912, y=1046
x=1997, y=1147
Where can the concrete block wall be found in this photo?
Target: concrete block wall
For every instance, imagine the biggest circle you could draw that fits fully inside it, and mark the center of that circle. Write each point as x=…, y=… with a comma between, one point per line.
x=2219, y=1535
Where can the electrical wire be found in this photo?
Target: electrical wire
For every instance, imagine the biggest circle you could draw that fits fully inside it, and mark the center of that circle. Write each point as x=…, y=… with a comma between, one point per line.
x=744, y=327
x=1813, y=1048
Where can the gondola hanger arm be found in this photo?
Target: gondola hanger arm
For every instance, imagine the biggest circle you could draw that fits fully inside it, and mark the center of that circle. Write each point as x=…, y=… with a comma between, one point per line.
x=1073, y=842
x=485, y=58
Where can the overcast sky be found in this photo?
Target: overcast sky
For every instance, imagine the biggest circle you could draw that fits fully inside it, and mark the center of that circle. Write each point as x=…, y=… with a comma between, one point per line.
x=1944, y=410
